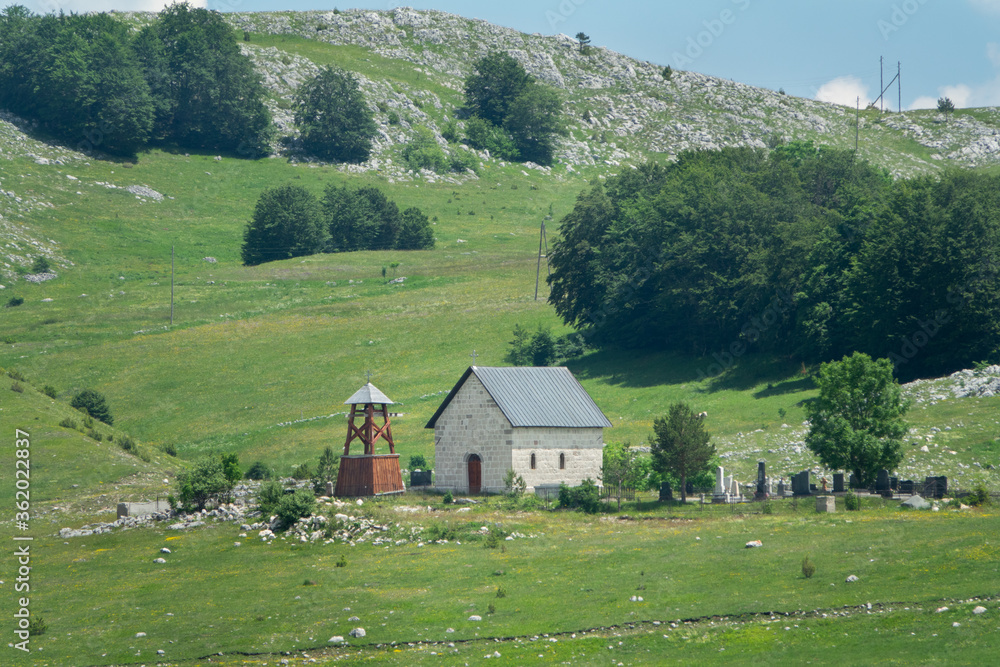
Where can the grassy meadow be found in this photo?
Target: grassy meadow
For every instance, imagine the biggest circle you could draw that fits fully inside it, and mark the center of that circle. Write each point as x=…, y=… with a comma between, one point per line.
x=259, y=360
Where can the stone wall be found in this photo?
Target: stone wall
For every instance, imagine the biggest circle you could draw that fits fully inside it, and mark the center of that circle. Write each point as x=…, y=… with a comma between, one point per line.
x=582, y=449
x=472, y=424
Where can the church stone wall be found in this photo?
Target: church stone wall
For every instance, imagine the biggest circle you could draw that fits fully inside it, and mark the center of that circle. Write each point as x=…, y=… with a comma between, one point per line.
x=582, y=450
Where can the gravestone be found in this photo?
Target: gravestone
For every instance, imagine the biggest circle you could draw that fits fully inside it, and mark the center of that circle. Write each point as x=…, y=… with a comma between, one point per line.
x=853, y=482
x=882, y=484
x=719, y=494
x=781, y=488
x=329, y=489
x=800, y=484
x=122, y=510
x=420, y=478
x=826, y=503
x=666, y=493
x=906, y=486
x=935, y=487
x=838, y=482
x=894, y=483
x=761, y=481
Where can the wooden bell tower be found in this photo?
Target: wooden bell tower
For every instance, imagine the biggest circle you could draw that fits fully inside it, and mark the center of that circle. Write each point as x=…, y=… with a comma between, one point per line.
x=369, y=474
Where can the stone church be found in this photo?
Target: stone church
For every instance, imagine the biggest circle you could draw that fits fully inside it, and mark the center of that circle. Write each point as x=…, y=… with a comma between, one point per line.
x=540, y=422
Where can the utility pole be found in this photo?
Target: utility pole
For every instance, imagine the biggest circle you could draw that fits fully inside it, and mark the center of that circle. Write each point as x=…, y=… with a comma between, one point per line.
x=899, y=86
x=857, y=122
x=881, y=83
x=171, y=286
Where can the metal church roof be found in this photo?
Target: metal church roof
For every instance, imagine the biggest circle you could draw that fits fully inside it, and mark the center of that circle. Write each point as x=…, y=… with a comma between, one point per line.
x=368, y=394
x=527, y=396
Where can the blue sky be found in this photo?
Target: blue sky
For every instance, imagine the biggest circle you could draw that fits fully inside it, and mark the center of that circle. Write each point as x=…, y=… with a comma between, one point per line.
x=825, y=50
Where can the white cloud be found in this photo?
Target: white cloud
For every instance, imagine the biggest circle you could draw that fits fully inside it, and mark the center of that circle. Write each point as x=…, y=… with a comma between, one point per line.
x=843, y=90
x=82, y=6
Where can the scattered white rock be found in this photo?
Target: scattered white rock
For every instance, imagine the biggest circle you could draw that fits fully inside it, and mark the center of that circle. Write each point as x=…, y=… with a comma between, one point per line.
x=979, y=610
x=851, y=578
x=475, y=617
x=357, y=632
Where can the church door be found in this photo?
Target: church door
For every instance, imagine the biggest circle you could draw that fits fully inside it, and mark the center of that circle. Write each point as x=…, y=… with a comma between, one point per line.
x=475, y=474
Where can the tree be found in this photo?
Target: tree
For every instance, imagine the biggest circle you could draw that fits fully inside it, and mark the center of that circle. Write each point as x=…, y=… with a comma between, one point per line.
x=945, y=105
x=620, y=468
x=94, y=404
x=484, y=135
x=362, y=219
x=326, y=470
x=533, y=121
x=207, y=481
x=416, y=232
x=680, y=445
x=333, y=117
x=496, y=81
x=856, y=422
x=287, y=222
x=216, y=96
x=584, y=42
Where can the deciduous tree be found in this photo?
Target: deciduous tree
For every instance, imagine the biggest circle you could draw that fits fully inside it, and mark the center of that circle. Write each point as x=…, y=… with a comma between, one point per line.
x=680, y=445
x=333, y=117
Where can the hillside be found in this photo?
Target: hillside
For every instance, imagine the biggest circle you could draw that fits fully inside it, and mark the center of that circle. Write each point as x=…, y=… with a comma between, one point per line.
x=259, y=359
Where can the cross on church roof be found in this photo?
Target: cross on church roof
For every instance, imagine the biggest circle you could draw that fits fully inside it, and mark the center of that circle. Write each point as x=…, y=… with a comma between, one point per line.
x=368, y=375
x=473, y=355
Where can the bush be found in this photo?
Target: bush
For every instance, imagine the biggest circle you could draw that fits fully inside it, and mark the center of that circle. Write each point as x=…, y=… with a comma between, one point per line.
x=14, y=374
x=207, y=481
x=302, y=472
x=269, y=497
x=341, y=562
x=423, y=152
x=514, y=485
x=258, y=470
x=295, y=506
x=93, y=403
x=37, y=626
x=767, y=507
x=441, y=531
x=68, y=423
x=169, y=449
x=49, y=391
x=462, y=160
x=450, y=131
x=979, y=496
x=393, y=118
x=127, y=444
x=585, y=497
x=448, y=498
x=667, y=73
x=14, y=301
x=418, y=462
x=326, y=470
x=852, y=502
x=501, y=591
x=16, y=386
x=808, y=569
x=41, y=265
x=94, y=435
x=484, y=135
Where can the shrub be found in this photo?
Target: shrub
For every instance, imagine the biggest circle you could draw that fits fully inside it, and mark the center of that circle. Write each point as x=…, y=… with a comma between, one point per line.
x=341, y=562
x=767, y=507
x=169, y=449
x=49, y=391
x=16, y=386
x=852, y=502
x=441, y=531
x=418, y=462
x=93, y=403
x=269, y=497
x=258, y=470
x=41, y=265
x=448, y=498
x=309, y=582
x=94, y=435
x=172, y=501
x=462, y=160
x=127, y=444
x=450, y=131
x=514, y=485
x=808, y=569
x=207, y=481
x=14, y=374
x=979, y=496
x=295, y=506
x=423, y=152
x=393, y=118
x=584, y=497
x=667, y=73
x=491, y=608
x=302, y=472
x=484, y=135
x=68, y=423
x=501, y=591
x=14, y=301
x=37, y=626
x=326, y=470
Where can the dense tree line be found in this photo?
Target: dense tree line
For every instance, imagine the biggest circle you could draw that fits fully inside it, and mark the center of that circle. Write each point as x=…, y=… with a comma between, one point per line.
x=801, y=251
x=90, y=81
x=512, y=115
x=290, y=221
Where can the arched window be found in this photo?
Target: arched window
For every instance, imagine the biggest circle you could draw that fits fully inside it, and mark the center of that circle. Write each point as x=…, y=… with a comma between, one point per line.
x=532, y=460
x=562, y=461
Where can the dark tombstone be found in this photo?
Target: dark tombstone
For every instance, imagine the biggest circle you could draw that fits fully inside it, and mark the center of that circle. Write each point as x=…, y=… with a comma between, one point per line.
x=883, y=484
x=894, y=483
x=781, y=488
x=800, y=484
x=853, y=482
x=935, y=487
x=689, y=489
x=761, y=481
x=812, y=488
x=122, y=510
x=906, y=486
x=420, y=478
x=838, y=482
x=666, y=493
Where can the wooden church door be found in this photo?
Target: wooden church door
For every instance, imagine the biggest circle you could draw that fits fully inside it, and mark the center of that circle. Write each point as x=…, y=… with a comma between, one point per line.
x=475, y=474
